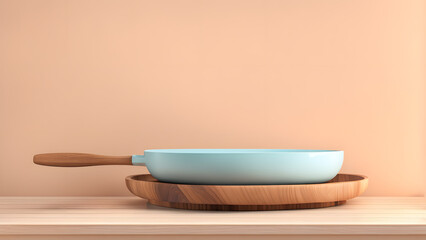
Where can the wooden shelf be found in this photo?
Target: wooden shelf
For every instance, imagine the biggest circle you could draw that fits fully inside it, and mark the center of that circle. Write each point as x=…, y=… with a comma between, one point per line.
x=32, y=216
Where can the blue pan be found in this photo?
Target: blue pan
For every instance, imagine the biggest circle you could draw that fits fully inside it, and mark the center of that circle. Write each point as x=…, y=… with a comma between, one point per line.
x=218, y=166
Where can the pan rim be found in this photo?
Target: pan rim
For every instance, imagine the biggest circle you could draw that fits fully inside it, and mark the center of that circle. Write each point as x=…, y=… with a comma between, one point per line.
x=240, y=151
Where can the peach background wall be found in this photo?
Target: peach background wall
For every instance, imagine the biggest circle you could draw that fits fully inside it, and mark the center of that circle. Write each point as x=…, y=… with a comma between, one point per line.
x=118, y=77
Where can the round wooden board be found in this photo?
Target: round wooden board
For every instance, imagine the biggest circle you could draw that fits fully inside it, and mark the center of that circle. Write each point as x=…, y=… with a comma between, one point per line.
x=247, y=197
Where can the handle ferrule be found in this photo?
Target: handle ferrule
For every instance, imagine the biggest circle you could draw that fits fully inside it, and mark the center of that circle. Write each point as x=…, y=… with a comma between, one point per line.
x=138, y=160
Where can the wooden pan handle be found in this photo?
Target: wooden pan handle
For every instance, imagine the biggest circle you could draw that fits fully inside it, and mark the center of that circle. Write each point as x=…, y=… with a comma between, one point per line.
x=79, y=159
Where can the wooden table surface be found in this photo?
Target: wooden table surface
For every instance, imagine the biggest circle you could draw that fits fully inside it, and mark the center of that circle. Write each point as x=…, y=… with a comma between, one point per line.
x=130, y=216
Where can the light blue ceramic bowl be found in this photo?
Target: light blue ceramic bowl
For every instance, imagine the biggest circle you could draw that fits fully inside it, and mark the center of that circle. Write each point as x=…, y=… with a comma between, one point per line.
x=241, y=166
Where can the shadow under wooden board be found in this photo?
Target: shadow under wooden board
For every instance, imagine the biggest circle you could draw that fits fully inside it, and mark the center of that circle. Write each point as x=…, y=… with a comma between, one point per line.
x=247, y=197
